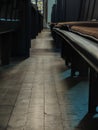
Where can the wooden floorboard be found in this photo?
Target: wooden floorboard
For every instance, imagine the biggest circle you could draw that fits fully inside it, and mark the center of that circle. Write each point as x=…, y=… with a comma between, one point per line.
x=38, y=93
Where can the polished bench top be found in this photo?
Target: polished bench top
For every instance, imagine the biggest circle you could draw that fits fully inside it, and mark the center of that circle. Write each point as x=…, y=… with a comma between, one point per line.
x=86, y=48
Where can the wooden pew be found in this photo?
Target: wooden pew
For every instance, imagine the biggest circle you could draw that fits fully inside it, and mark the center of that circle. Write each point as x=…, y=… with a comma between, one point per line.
x=40, y=22
x=9, y=22
x=36, y=21
x=22, y=37
x=34, y=15
x=69, y=26
x=85, y=50
x=15, y=29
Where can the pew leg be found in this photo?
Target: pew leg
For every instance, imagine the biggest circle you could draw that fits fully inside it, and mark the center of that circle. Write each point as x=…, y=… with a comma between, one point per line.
x=73, y=60
x=83, y=68
x=78, y=65
x=63, y=50
x=93, y=92
x=65, y=53
x=5, y=49
x=82, y=71
x=74, y=64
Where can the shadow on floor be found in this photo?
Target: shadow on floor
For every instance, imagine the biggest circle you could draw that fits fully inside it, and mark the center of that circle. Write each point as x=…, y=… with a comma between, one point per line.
x=14, y=62
x=89, y=122
x=65, y=76
x=56, y=47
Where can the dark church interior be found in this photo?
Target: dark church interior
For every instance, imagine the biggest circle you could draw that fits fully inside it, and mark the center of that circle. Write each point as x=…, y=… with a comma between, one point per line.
x=48, y=64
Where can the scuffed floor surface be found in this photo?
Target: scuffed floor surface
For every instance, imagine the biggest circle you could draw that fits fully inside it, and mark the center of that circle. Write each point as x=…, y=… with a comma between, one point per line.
x=38, y=93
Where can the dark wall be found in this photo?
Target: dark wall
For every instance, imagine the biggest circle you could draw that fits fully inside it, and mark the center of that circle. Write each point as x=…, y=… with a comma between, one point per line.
x=89, y=10
x=95, y=10
x=72, y=10
x=53, y=14
x=66, y=10
x=83, y=9
x=63, y=14
x=75, y=10
x=59, y=10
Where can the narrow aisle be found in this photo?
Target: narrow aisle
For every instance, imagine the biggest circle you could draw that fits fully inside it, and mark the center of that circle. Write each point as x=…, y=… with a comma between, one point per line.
x=37, y=106
x=37, y=95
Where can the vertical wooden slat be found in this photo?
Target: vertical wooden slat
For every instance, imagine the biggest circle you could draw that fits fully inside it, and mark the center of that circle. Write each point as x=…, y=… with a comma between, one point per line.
x=90, y=11
x=95, y=10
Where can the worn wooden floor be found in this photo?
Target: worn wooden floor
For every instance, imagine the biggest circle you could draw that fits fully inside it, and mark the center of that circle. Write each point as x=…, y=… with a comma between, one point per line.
x=38, y=93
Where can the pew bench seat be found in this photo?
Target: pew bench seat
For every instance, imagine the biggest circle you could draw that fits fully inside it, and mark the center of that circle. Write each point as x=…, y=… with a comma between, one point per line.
x=86, y=48
x=88, y=32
